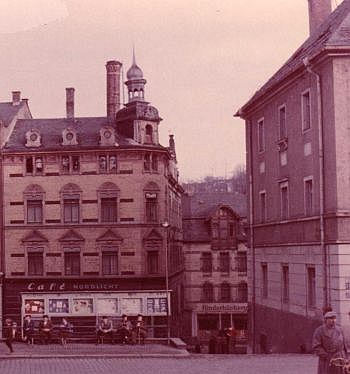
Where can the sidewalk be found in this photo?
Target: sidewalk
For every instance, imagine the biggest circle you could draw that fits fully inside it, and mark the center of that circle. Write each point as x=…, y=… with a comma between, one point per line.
x=76, y=350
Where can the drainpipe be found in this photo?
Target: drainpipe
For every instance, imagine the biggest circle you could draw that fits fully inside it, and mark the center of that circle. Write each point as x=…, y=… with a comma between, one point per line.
x=321, y=168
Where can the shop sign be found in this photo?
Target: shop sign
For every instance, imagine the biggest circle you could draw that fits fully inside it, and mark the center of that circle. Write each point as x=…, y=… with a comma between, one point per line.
x=222, y=308
x=63, y=286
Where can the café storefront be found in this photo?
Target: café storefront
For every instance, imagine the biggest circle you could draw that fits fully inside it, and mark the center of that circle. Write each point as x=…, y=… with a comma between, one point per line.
x=84, y=302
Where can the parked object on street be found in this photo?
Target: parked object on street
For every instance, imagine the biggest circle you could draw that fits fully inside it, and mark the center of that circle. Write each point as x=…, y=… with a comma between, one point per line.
x=328, y=343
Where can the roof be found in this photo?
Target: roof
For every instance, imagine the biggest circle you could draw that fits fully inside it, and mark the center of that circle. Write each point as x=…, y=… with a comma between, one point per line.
x=333, y=33
x=8, y=111
x=87, y=129
x=197, y=209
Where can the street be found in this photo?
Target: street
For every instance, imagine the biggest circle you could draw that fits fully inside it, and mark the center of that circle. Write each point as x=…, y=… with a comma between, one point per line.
x=195, y=364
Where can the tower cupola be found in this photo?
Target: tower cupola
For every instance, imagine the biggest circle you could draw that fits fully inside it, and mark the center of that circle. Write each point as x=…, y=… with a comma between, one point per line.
x=136, y=82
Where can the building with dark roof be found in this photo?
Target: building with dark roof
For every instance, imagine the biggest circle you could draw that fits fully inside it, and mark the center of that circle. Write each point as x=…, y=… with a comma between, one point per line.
x=215, y=254
x=297, y=128
x=84, y=203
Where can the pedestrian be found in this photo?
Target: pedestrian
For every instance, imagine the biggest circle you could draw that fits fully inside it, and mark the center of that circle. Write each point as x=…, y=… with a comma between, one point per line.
x=28, y=329
x=328, y=343
x=230, y=336
x=10, y=333
x=104, y=329
x=45, y=328
x=65, y=329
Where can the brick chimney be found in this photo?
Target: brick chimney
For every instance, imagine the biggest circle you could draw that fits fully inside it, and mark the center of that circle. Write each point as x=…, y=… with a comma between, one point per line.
x=16, y=97
x=319, y=10
x=113, y=88
x=70, y=102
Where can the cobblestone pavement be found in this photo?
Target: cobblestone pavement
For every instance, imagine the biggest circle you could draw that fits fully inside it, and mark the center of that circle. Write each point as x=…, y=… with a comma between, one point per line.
x=193, y=364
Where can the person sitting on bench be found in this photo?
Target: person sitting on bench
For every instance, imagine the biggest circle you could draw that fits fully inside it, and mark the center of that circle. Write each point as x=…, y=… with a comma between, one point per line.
x=28, y=329
x=105, y=328
x=45, y=328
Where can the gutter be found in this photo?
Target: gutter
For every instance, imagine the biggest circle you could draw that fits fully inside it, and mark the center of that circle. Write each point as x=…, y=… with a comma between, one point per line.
x=309, y=68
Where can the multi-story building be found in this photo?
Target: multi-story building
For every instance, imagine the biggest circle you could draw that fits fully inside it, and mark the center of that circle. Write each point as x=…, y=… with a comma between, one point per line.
x=215, y=264
x=92, y=213
x=297, y=129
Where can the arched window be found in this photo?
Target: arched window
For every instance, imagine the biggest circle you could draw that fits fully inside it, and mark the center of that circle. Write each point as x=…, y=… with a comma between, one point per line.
x=225, y=292
x=208, y=292
x=149, y=134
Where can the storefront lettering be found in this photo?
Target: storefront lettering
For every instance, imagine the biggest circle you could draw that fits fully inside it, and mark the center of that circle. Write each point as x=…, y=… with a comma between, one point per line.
x=217, y=308
x=46, y=287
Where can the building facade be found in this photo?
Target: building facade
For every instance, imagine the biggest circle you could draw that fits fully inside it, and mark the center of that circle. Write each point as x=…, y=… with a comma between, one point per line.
x=297, y=145
x=85, y=201
x=215, y=265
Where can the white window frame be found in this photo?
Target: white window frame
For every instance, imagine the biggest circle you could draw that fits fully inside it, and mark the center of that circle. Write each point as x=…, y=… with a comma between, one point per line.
x=261, y=142
x=283, y=185
x=309, y=214
x=280, y=137
x=303, y=129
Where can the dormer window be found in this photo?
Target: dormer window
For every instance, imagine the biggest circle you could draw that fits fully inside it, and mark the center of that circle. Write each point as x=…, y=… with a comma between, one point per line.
x=107, y=136
x=33, y=138
x=69, y=137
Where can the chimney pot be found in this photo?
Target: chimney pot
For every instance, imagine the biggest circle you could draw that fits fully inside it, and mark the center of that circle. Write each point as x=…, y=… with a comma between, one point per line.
x=70, y=102
x=319, y=10
x=16, y=97
x=113, y=69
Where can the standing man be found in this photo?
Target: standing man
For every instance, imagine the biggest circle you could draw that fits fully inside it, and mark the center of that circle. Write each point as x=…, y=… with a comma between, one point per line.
x=9, y=333
x=328, y=343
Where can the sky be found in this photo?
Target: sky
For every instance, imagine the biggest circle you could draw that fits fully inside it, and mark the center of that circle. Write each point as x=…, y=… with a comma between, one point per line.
x=202, y=59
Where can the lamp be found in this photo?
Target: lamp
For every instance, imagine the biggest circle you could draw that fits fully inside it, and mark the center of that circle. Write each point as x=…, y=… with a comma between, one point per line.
x=166, y=226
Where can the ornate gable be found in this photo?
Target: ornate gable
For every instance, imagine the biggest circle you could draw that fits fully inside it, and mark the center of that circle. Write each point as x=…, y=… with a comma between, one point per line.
x=109, y=236
x=71, y=236
x=34, y=237
x=153, y=240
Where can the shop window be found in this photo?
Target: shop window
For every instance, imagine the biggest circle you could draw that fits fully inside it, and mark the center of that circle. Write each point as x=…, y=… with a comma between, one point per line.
x=109, y=209
x=224, y=262
x=109, y=262
x=225, y=293
x=208, y=293
x=207, y=262
x=35, y=263
x=72, y=263
x=34, y=211
x=242, y=292
x=153, y=262
x=208, y=321
x=151, y=207
x=71, y=210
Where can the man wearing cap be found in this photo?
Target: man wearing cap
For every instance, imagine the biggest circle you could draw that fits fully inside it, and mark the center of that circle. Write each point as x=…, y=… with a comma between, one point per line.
x=328, y=342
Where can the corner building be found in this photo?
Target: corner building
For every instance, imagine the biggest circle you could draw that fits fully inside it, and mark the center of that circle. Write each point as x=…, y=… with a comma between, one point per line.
x=84, y=203
x=297, y=129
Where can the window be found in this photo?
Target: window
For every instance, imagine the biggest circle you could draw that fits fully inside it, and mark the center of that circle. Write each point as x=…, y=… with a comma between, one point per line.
x=264, y=280
x=151, y=207
x=34, y=165
x=207, y=262
x=109, y=209
x=71, y=210
x=284, y=200
x=305, y=110
x=308, y=200
x=225, y=293
x=285, y=284
x=34, y=211
x=152, y=262
x=262, y=206
x=261, y=136
x=109, y=262
x=35, y=263
x=224, y=262
x=147, y=162
x=311, y=286
x=72, y=263
x=107, y=163
x=242, y=292
x=241, y=260
x=283, y=158
x=149, y=134
x=154, y=162
x=29, y=165
x=282, y=122
x=70, y=164
x=208, y=293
